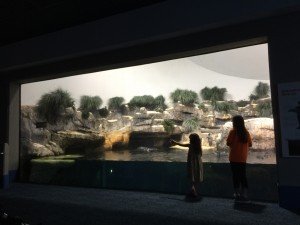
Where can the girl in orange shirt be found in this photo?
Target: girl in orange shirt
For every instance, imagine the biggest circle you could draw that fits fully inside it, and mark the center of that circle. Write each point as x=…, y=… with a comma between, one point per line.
x=239, y=140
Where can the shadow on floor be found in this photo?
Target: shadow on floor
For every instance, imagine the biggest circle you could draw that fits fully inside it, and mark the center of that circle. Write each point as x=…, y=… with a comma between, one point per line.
x=185, y=199
x=249, y=207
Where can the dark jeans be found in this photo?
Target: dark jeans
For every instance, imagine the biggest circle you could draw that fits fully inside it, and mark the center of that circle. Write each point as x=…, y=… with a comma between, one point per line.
x=239, y=175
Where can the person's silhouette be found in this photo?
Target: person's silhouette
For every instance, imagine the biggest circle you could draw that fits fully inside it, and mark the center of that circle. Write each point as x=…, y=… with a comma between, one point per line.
x=194, y=163
x=239, y=140
x=209, y=139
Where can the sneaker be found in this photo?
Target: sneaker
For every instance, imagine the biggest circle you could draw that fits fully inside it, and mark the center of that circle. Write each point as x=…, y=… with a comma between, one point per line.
x=191, y=195
x=236, y=196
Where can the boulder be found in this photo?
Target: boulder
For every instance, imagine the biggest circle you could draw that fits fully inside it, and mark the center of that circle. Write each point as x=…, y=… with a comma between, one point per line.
x=261, y=130
x=77, y=142
x=116, y=140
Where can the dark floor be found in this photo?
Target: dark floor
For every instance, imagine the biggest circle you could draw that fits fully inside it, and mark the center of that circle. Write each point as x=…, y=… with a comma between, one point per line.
x=57, y=205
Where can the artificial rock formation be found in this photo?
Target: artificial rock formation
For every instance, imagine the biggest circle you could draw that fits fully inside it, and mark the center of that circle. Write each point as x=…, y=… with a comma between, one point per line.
x=72, y=134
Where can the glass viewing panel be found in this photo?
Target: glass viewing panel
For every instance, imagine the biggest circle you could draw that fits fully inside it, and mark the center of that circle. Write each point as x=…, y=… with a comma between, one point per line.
x=130, y=114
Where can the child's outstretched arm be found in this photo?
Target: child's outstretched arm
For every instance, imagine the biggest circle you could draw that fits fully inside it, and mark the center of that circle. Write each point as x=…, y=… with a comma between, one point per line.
x=178, y=143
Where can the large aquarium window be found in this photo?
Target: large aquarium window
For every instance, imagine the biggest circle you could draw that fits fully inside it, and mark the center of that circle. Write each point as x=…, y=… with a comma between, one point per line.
x=130, y=114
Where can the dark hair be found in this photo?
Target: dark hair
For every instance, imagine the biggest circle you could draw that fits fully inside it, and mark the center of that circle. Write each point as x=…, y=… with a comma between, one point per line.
x=240, y=129
x=195, y=141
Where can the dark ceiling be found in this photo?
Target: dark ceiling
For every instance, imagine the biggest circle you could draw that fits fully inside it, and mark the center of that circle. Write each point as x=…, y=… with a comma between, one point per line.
x=23, y=19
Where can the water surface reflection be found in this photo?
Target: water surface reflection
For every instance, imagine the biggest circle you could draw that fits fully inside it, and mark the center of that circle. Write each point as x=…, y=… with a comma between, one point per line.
x=179, y=155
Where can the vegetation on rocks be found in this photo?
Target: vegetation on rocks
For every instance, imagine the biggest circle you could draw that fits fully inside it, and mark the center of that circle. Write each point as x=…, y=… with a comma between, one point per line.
x=213, y=94
x=169, y=126
x=160, y=103
x=190, y=125
x=242, y=103
x=225, y=106
x=265, y=109
x=89, y=104
x=260, y=91
x=115, y=103
x=103, y=112
x=148, y=101
x=51, y=105
x=185, y=97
